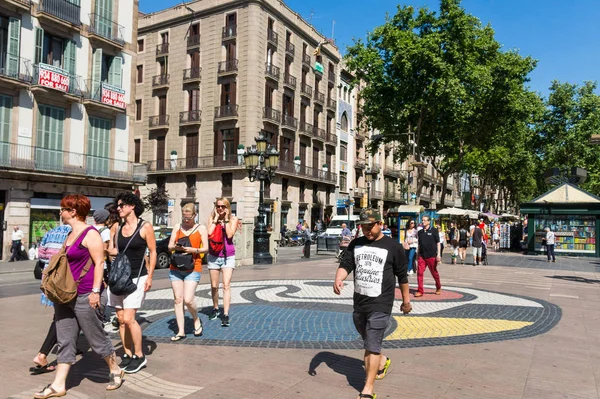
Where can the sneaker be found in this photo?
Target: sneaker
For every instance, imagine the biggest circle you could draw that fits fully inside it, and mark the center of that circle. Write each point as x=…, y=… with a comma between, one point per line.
x=136, y=364
x=225, y=321
x=215, y=313
x=125, y=360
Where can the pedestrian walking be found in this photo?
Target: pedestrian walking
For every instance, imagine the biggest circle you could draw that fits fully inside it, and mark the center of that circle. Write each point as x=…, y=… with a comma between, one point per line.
x=429, y=255
x=442, y=234
x=222, y=226
x=133, y=238
x=377, y=261
x=386, y=231
x=17, y=241
x=307, y=241
x=190, y=243
x=463, y=240
x=83, y=249
x=477, y=236
x=550, y=242
x=453, y=237
x=411, y=243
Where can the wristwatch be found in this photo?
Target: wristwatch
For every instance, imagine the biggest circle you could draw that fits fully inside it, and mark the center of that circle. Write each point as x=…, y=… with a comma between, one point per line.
x=95, y=290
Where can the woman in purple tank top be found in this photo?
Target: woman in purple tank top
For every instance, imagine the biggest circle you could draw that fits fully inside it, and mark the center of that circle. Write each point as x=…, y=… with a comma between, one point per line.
x=84, y=249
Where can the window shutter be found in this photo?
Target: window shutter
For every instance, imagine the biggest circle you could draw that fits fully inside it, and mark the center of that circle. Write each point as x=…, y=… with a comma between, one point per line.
x=233, y=93
x=114, y=73
x=70, y=54
x=218, y=143
x=236, y=138
x=39, y=45
x=14, y=35
x=97, y=66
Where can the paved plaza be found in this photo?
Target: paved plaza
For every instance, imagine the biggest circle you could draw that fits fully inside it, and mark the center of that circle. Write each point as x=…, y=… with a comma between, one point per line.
x=518, y=328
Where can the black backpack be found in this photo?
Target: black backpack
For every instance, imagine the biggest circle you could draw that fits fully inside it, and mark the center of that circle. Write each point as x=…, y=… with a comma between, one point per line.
x=119, y=276
x=463, y=235
x=181, y=260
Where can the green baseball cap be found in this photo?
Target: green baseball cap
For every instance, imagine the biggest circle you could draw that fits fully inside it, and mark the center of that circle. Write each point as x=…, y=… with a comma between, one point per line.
x=370, y=215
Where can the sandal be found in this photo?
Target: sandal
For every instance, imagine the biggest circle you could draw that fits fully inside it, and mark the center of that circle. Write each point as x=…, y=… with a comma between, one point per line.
x=176, y=338
x=383, y=372
x=367, y=396
x=113, y=385
x=198, y=331
x=39, y=369
x=52, y=394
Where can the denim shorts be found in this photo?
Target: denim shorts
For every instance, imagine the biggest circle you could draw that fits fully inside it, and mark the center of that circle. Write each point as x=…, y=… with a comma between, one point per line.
x=178, y=275
x=218, y=263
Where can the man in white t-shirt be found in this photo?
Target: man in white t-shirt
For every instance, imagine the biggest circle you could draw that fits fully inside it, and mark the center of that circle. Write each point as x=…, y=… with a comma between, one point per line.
x=17, y=237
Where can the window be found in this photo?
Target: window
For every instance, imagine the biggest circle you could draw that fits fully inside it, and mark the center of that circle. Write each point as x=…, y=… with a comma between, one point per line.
x=287, y=149
x=302, y=190
x=137, y=148
x=50, y=128
x=140, y=45
x=269, y=95
x=343, y=181
x=271, y=139
x=138, y=110
x=344, y=122
x=140, y=73
x=164, y=37
x=228, y=93
x=191, y=150
x=227, y=188
x=160, y=153
x=195, y=30
x=107, y=69
x=98, y=151
x=288, y=105
x=5, y=113
x=193, y=100
x=343, y=152
x=226, y=141
x=55, y=51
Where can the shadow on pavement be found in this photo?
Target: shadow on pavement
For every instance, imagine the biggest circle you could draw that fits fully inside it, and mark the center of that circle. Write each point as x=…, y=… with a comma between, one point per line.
x=575, y=279
x=350, y=367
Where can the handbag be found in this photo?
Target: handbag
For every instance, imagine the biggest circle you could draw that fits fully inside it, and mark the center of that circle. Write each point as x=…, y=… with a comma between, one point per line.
x=38, y=269
x=544, y=242
x=182, y=260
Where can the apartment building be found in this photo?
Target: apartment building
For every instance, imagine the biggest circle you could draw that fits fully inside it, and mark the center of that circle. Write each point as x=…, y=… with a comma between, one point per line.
x=211, y=76
x=65, y=86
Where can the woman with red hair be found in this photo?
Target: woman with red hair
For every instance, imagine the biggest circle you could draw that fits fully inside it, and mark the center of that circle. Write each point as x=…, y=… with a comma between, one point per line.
x=85, y=254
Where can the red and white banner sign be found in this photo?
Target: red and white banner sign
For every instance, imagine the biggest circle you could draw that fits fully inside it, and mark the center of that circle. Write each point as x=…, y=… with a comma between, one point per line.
x=112, y=95
x=53, y=77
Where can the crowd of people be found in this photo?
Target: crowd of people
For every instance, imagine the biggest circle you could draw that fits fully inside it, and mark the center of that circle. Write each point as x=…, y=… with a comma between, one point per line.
x=120, y=247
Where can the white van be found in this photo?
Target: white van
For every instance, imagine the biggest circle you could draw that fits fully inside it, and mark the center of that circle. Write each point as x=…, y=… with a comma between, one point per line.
x=335, y=226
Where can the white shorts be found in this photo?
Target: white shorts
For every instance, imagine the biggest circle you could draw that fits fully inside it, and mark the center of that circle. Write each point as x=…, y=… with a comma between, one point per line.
x=218, y=263
x=131, y=301
x=477, y=251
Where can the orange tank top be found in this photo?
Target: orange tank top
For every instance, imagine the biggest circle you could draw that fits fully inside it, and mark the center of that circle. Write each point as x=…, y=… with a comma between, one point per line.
x=196, y=240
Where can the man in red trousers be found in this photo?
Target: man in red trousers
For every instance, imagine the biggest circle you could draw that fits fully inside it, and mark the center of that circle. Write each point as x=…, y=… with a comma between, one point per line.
x=429, y=255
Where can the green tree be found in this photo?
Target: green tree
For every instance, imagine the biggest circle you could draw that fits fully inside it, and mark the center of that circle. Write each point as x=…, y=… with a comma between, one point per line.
x=157, y=201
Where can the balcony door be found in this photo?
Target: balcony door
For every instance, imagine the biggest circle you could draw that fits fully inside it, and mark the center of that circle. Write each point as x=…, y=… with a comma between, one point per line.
x=98, y=150
x=5, y=113
x=226, y=142
x=103, y=18
x=303, y=150
x=162, y=106
x=49, y=148
x=315, y=161
x=160, y=153
x=191, y=150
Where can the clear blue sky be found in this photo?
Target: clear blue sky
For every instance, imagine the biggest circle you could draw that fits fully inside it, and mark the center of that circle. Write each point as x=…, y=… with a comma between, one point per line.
x=563, y=35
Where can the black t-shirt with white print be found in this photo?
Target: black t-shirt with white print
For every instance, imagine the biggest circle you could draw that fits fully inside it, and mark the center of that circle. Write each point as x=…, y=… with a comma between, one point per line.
x=376, y=265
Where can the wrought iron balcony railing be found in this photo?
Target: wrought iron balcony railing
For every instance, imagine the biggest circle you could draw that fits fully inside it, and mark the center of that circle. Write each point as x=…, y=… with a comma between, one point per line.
x=162, y=49
x=193, y=41
x=192, y=74
x=272, y=114
x=220, y=161
x=291, y=168
x=290, y=122
x=331, y=76
x=70, y=84
x=62, y=9
x=320, y=133
x=319, y=97
x=306, y=90
x=15, y=67
x=104, y=93
x=160, y=80
x=289, y=80
x=190, y=117
x=226, y=111
x=306, y=59
x=306, y=128
x=229, y=32
x=158, y=121
x=106, y=28
x=332, y=138
x=272, y=37
x=331, y=104
x=272, y=71
x=290, y=48
x=45, y=160
x=228, y=66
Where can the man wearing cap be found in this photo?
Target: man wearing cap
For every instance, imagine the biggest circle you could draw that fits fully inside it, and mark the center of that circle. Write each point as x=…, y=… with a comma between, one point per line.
x=376, y=261
x=429, y=255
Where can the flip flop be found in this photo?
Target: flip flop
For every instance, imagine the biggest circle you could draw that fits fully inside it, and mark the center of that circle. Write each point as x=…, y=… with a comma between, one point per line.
x=176, y=338
x=198, y=331
x=52, y=394
x=367, y=396
x=113, y=385
x=383, y=372
x=42, y=369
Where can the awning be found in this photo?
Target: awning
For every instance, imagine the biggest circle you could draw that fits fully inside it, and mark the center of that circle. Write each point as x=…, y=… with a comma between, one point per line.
x=410, y=209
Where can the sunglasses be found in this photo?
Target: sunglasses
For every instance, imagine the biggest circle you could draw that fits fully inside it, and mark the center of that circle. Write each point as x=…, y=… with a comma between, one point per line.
x=65, y=209
x=121, y=205
x=220, y=206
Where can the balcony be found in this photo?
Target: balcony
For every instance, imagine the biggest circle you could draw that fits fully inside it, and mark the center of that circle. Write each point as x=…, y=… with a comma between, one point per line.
x=306, y=59
x=331, y=138
x=375, y=169
x=50, y=80
x=289, y=81
x=331, y=104
x=331, y=76
x=15, y=70
x=192, y=75
x=306, y=172
x=105, y=30
x=306, y=91
x=392, y=171
x=226, y=112
x=360, y=164
x=160, y=81
x=19, y=157
x=103, y=96
x=230, y=161
x=289, y=122
x=228, y=67
x=392, y=195
x=360, y=135
x=319, y=97
x=60, y=12
x=272, y=37
x=272, y=115
x=158, y=122
x=190, y=118
x=376, y=194
x=290, y=49
x=359, y=192
x=271, y=71
x=306, y=129
x=24, y=5
x=193, y=42
x=229, y=32
x=319, y=134
x=162, y=49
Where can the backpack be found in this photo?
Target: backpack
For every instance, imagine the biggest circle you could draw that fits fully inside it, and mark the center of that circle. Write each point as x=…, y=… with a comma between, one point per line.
x=181, y=260
x=58, y=283
x=119, y=275
x=216, y=241
x=463, y=235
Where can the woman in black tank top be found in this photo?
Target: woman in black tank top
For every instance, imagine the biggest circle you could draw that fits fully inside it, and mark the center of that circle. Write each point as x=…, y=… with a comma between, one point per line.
x=140, y=236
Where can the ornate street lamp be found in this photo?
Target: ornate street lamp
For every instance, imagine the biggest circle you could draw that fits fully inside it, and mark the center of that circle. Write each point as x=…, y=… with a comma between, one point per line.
x=261, y=163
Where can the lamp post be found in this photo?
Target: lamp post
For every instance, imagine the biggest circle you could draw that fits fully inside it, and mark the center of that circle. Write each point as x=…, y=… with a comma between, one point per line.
x=261, y=163
x=368, y=179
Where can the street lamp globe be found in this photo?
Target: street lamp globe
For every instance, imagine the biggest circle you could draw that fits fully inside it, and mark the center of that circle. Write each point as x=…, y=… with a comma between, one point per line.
x=273, y=158
x=261, y=142
x=368, y=175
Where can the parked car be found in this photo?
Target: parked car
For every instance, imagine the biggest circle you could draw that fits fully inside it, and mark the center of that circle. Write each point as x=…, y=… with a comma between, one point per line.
x=163, y=255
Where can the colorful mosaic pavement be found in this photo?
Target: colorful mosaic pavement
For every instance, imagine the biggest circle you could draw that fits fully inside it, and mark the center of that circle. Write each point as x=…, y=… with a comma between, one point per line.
x=307, y=314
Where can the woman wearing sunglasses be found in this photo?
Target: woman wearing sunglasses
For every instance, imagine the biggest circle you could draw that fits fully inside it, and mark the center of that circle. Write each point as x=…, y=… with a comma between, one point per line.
x=411, y=243
x=222, y=226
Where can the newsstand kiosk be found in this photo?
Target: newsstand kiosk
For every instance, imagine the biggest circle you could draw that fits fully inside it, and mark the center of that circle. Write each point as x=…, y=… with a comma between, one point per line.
x=572, y=214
